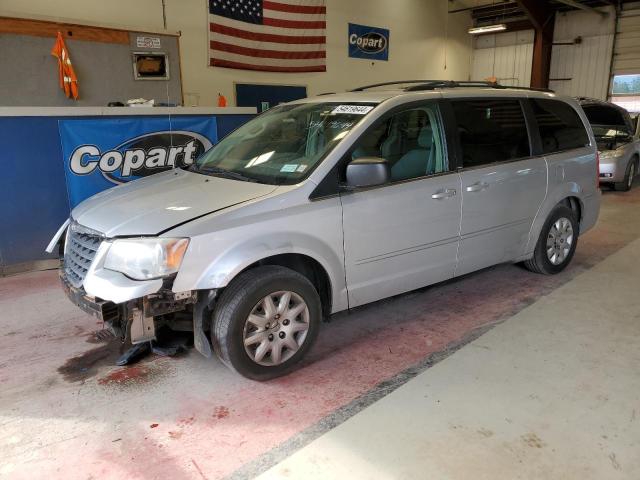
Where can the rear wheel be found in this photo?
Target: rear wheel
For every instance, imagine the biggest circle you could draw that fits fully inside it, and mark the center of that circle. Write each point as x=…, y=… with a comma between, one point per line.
x=626, y=184
x=265, y=322
x=557, y=242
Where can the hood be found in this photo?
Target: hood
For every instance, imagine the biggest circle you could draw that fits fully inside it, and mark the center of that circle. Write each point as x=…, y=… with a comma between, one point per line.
x=154, y=204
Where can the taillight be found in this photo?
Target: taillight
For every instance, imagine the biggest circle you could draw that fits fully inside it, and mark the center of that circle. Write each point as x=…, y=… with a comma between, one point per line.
x=597, y=170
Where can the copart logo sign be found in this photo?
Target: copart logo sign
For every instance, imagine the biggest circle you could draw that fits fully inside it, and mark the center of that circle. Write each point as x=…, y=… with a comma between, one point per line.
x=368, y=42
x=101, y=153
x=140, y=156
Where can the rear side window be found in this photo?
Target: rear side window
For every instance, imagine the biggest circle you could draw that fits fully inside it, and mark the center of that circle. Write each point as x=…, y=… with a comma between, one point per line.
x=560, y=126
x=491, y=131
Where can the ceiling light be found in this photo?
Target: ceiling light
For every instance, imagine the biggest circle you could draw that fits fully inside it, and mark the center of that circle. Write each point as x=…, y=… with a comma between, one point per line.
x=488, y=29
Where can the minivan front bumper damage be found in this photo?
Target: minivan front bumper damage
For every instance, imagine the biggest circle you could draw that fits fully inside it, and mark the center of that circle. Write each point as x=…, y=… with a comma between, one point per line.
x=135, y=319
x=103, y=310
x=133, y=309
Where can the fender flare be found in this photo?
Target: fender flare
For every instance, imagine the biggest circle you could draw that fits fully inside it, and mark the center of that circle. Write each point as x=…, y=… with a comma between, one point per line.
x=570, y=189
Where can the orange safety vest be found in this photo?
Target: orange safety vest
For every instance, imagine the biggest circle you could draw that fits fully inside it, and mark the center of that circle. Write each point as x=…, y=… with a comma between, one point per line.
x=66, y=75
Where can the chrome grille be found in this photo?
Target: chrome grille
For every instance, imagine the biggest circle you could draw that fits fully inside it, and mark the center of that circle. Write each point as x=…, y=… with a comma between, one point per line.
x=80, y=249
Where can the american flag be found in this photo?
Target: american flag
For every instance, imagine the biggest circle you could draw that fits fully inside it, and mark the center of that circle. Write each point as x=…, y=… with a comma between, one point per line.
x=283, y=36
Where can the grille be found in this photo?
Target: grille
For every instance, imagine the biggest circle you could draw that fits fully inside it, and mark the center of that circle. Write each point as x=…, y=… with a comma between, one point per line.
x=82, y=245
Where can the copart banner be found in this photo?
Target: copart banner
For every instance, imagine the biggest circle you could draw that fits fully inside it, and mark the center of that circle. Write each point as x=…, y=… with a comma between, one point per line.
x=102, y=153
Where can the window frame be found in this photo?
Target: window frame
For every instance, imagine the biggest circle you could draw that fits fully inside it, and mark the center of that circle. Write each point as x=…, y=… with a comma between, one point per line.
x=331, y=186
x=533, y=135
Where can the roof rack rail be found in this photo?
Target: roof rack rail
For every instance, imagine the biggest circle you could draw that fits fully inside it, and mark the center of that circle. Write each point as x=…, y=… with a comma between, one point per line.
x=420, y=85
x=385, y=84
x=472, y=83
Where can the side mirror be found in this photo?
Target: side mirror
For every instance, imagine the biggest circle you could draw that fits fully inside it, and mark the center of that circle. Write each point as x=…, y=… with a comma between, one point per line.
x=368, y=172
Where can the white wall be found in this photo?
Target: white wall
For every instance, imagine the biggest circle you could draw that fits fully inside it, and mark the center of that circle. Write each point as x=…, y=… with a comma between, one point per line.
x=582, y=69
x=506, y=56
x=425, y=42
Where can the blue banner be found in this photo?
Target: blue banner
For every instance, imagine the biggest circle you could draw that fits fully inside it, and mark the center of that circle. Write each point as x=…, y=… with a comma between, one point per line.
x=99, y=154
x=371, y=43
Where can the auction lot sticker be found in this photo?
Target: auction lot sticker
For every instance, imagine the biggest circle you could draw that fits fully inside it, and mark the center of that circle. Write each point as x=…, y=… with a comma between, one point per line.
x=352, y=109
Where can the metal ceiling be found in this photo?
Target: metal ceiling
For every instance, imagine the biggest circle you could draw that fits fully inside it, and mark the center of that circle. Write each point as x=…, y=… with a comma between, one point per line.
x=486, y=12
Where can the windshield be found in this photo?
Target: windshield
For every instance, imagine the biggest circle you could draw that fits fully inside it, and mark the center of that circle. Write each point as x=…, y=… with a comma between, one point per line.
x=284, y=144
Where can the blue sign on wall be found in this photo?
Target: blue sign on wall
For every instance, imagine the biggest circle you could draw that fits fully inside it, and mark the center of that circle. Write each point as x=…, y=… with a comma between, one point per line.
x=371, y=43
x=99, y=154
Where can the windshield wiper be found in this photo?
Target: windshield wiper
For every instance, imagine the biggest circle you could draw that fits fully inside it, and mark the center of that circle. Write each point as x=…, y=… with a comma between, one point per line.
x=221, y=172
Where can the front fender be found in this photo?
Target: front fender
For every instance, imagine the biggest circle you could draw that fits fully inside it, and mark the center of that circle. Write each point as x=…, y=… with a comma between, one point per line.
x=214, y=259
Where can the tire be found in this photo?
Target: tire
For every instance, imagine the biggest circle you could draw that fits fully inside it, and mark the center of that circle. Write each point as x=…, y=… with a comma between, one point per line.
x=541, y=261
x=246, y=295
x=625, y=185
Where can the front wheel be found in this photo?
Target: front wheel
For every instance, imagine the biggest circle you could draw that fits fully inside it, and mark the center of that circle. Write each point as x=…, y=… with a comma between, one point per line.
x=265, y=322
x=557, y=242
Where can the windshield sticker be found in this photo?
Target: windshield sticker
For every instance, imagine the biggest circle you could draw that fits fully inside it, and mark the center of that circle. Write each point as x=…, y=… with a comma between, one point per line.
x=289, y=167
x=352, y=109
x=301, y=168
x=333, y=124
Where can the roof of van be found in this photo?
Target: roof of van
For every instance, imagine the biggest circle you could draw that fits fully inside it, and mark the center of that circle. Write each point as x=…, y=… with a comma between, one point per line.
x=379, y=92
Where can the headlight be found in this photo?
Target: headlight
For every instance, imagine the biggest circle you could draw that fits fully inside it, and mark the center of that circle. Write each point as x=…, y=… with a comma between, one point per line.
x=146, y=258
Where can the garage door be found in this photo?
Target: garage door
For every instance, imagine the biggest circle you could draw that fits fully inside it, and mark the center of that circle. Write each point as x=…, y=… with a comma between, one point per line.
x=625, y=87
x=626, y=58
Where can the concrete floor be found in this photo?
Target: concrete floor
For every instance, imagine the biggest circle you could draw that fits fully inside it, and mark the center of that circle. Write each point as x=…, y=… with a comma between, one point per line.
x=65, y=411
x=553, y=392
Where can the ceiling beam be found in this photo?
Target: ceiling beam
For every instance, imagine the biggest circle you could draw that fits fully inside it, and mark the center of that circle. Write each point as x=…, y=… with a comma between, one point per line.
x=538, y=11
x=582, y=6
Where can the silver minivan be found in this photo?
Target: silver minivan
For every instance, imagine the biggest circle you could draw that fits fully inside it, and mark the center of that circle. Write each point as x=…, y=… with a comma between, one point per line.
x=331, y=202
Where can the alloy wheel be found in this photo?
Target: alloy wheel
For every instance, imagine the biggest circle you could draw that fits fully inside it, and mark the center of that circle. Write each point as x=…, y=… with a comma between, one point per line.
x=276, y=328
x=559, y=241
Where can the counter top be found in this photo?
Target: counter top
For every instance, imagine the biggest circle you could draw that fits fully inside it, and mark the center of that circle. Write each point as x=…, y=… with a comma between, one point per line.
x=119, y=111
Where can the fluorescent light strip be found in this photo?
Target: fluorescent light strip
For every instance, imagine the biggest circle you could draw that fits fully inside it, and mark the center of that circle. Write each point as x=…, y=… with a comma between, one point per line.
x=488, y=29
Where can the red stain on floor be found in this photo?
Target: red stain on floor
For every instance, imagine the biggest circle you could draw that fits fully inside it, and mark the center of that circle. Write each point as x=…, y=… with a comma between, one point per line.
x=127, y=375
x=220, y=412
x=187, y=421
x=153, y=425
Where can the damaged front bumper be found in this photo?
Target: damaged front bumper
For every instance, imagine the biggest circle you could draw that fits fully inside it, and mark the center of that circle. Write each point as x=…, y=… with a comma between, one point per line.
x=103, y=310
x=137, y=320
x=131, y=309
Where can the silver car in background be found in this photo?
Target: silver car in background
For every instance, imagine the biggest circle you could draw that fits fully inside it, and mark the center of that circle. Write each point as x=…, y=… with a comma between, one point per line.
x=618, y=142
x=332, y=202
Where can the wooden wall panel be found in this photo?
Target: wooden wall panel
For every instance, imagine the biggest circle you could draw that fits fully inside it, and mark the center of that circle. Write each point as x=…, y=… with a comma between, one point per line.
x=40, y=28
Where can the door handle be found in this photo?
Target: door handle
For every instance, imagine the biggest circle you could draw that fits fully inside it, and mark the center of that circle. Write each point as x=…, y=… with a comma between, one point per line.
x=448, y=193
x=477, y=187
